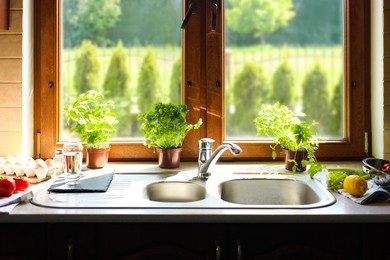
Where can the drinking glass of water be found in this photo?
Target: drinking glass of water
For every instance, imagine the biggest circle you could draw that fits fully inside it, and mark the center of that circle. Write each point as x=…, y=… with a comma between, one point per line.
x=73, y=159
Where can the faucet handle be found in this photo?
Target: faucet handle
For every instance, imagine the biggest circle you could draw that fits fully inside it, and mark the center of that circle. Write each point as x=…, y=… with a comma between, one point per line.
x=206, y=143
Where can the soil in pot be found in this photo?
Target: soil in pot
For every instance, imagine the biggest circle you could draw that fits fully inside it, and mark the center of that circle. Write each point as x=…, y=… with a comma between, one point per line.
x=97, y=158
x=298, y=156
x=168, y=158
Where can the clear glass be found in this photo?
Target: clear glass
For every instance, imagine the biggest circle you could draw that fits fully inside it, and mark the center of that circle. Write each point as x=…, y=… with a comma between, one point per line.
x=128, y=50
x=292, y=54
x=73, y=161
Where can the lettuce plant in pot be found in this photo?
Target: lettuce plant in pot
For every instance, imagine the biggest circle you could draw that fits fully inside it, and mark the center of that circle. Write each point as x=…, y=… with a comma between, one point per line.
x=293, y=135
x=165, y=128
x=95, y=123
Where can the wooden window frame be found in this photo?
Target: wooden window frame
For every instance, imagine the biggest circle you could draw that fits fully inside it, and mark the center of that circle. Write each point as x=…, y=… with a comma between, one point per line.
x=203, y=86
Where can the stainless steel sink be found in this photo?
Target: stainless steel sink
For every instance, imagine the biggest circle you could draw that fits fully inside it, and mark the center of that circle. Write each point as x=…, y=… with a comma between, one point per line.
x=268, y=192
x=223, y=190
x=173, y=191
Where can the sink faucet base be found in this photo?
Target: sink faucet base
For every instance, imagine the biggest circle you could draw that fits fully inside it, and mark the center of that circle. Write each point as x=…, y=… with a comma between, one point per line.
x=206, y=159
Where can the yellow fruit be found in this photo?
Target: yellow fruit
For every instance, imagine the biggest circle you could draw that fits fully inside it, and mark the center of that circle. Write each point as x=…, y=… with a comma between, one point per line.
x=355, y=185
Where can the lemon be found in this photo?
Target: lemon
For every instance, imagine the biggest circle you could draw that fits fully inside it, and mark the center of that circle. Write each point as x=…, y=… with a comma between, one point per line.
x=355, y=185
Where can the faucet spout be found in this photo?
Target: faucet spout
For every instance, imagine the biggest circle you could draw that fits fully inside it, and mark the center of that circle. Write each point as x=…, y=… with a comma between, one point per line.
x=207, y=159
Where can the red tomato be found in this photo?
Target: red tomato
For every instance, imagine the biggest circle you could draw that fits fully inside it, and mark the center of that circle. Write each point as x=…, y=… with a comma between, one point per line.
x=7, y=187
x=386, y=167
x=22, y=184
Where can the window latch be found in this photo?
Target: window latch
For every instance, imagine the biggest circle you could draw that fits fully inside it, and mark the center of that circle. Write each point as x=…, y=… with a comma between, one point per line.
x=214, y=9
x=189, y=13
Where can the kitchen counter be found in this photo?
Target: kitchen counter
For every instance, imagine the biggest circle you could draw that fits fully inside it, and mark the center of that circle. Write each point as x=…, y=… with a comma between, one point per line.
x=344, y=210
x=343, y=230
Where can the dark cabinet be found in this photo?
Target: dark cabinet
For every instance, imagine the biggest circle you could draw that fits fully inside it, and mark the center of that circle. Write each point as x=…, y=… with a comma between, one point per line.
x=194, y=241
x=162, y=241
x=225, y=241
x=71, y=241
x=376, y=241
x=22, y=241
x=296, y=241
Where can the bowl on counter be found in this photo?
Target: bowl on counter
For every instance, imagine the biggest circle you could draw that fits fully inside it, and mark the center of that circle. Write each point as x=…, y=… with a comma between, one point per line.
x=374, y=167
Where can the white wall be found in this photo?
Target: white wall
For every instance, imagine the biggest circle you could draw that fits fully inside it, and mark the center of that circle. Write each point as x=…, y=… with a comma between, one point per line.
x=377, y=114
x=28, y=79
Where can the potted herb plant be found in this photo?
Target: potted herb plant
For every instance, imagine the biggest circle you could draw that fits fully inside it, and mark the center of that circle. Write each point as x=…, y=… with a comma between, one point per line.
x=165, y=127
x=95, y=123
x=293, y=135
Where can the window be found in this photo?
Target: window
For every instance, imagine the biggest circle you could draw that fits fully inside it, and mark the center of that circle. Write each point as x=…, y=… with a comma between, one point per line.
x=207, y=80
x=108, y=46
x=289, y=53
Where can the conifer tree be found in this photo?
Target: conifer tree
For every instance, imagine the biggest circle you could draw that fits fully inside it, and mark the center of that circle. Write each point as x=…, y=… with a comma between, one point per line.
x=148, y=79
x=316, y=98
x=118, y=75
x=87, y=69
x=175, y=85
x=249, y=90
x=116, y=88
x=336, y=105
x=282, y=85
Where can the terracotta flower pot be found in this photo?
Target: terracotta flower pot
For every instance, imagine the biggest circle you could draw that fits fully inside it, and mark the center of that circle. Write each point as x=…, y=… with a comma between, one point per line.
x=97, y=158
x=299, y=156
x=168, y=158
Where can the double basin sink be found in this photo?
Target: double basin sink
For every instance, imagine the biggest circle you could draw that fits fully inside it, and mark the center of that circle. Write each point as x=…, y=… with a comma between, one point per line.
x=253, y=191
x=184, y=190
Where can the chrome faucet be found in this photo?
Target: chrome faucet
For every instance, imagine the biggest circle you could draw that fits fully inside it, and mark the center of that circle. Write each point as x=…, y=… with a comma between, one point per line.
x=206, y=158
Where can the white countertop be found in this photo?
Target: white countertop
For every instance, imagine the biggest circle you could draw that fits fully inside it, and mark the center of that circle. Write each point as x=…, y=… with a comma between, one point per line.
x=344, y=210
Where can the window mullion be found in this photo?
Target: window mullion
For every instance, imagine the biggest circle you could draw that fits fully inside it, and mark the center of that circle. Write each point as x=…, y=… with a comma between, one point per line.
x=214, y=83
x=192, y=66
